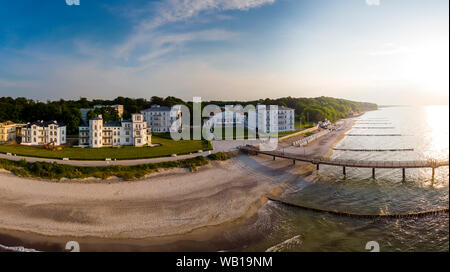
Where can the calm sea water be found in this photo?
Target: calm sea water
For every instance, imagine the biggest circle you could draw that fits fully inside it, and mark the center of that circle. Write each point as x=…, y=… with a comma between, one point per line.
x=426, y=130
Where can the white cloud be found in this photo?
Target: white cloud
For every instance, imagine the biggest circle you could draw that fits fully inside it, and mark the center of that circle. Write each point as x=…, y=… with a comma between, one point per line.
x=163, y=44
x=172, y=11
x=390, y=49
x=15, y=84
x=178, y=10
x=373, y=2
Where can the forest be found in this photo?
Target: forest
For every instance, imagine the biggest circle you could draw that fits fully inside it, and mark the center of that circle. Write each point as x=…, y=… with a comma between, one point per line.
x=23, y=110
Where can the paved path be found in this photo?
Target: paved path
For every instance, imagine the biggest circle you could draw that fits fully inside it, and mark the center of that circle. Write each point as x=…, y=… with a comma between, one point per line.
x=106, y=163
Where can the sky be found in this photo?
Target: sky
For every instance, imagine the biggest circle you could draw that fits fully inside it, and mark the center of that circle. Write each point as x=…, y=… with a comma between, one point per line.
x=388, y=52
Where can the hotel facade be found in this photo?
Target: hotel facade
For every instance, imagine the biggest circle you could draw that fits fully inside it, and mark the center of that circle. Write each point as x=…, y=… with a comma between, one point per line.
x=42, y=133
x=9, y=131
x=271, y=119
x=228, y=118
x=132, y=132
x=160, y=119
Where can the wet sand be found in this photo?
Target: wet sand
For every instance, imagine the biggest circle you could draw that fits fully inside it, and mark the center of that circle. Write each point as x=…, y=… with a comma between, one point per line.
x=165, y=211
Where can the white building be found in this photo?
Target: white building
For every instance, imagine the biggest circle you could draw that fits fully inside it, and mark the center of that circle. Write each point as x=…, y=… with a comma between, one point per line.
x=160, y=119
x=273, y=119
x=228, y=118
x=42, y=133
x=132, y=132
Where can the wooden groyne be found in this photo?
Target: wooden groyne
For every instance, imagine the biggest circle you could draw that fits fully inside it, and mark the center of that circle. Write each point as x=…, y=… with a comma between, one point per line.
x=374, y=150
x=372, y=123
x=376, y=135
x=374, y=127
x=358, y=215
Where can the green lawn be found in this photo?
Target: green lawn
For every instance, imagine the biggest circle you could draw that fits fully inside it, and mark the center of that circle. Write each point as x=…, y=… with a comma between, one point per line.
x=167, y=147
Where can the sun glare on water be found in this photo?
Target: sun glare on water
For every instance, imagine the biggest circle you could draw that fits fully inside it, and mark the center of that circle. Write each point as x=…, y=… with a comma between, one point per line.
x=438, y=121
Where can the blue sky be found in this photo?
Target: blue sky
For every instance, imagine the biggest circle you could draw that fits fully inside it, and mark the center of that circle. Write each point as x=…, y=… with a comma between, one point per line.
x=385, y=51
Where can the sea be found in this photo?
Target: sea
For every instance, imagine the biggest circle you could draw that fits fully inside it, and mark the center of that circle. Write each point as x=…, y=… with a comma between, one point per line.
x=415, y=133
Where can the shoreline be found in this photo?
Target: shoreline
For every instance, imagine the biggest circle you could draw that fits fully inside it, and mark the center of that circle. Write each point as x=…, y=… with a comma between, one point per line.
x=145, y=214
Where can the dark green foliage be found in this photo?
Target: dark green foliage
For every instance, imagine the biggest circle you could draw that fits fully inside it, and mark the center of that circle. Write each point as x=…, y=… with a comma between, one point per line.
x=219, y=156
x=312, y=109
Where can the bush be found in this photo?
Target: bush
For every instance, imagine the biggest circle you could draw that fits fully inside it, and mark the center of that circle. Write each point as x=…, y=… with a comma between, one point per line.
x=57, y=171
x=219, y=156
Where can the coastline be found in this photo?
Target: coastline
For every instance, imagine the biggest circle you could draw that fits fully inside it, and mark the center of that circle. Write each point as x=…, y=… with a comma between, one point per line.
x=146, y=213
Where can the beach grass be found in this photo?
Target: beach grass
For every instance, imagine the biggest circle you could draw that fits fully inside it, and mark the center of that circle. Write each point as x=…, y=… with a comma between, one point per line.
x=55, y=171
x=164, y=147
x=219, y=156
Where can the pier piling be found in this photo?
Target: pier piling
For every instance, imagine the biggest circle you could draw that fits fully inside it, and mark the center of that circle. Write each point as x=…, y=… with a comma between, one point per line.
x=318, y=167
x=344, y=171
x=433, y=173
x=373, y=173
x=404, y=174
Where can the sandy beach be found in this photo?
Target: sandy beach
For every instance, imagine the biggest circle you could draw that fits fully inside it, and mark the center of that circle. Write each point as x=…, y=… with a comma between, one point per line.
x=172, y=205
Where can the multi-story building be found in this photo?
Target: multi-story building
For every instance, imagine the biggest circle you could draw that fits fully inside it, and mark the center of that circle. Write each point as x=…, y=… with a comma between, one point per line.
x=132, y=132
x=42, y=133
x=228, y=118
x=8, y=131
x=162, y=119
x=272, y=119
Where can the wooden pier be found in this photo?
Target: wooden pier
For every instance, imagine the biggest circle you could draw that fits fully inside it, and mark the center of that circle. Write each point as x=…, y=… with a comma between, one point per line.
x=433, y=164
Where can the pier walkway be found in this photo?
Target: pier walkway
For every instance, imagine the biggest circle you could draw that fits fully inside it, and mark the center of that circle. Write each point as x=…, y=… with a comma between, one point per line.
x=433, y=164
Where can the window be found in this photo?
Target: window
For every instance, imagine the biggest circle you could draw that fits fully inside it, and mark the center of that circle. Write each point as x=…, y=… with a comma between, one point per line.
x=128, y=140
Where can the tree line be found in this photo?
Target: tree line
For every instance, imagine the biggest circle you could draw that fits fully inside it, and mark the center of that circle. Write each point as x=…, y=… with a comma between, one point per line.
x=23, y=110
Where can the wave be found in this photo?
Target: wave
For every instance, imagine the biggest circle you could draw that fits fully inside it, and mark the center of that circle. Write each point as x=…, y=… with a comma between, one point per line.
x=290, y=243
x=17, y=249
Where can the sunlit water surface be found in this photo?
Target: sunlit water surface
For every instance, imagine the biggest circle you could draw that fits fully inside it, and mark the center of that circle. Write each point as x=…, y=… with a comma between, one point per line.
x=426, y=130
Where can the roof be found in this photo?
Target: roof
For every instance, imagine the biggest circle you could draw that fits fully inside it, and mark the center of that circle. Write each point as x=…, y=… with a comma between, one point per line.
x=158, y=109
x=45, y=124
x=112, y=124
x=284, y=108
x=7, y=123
